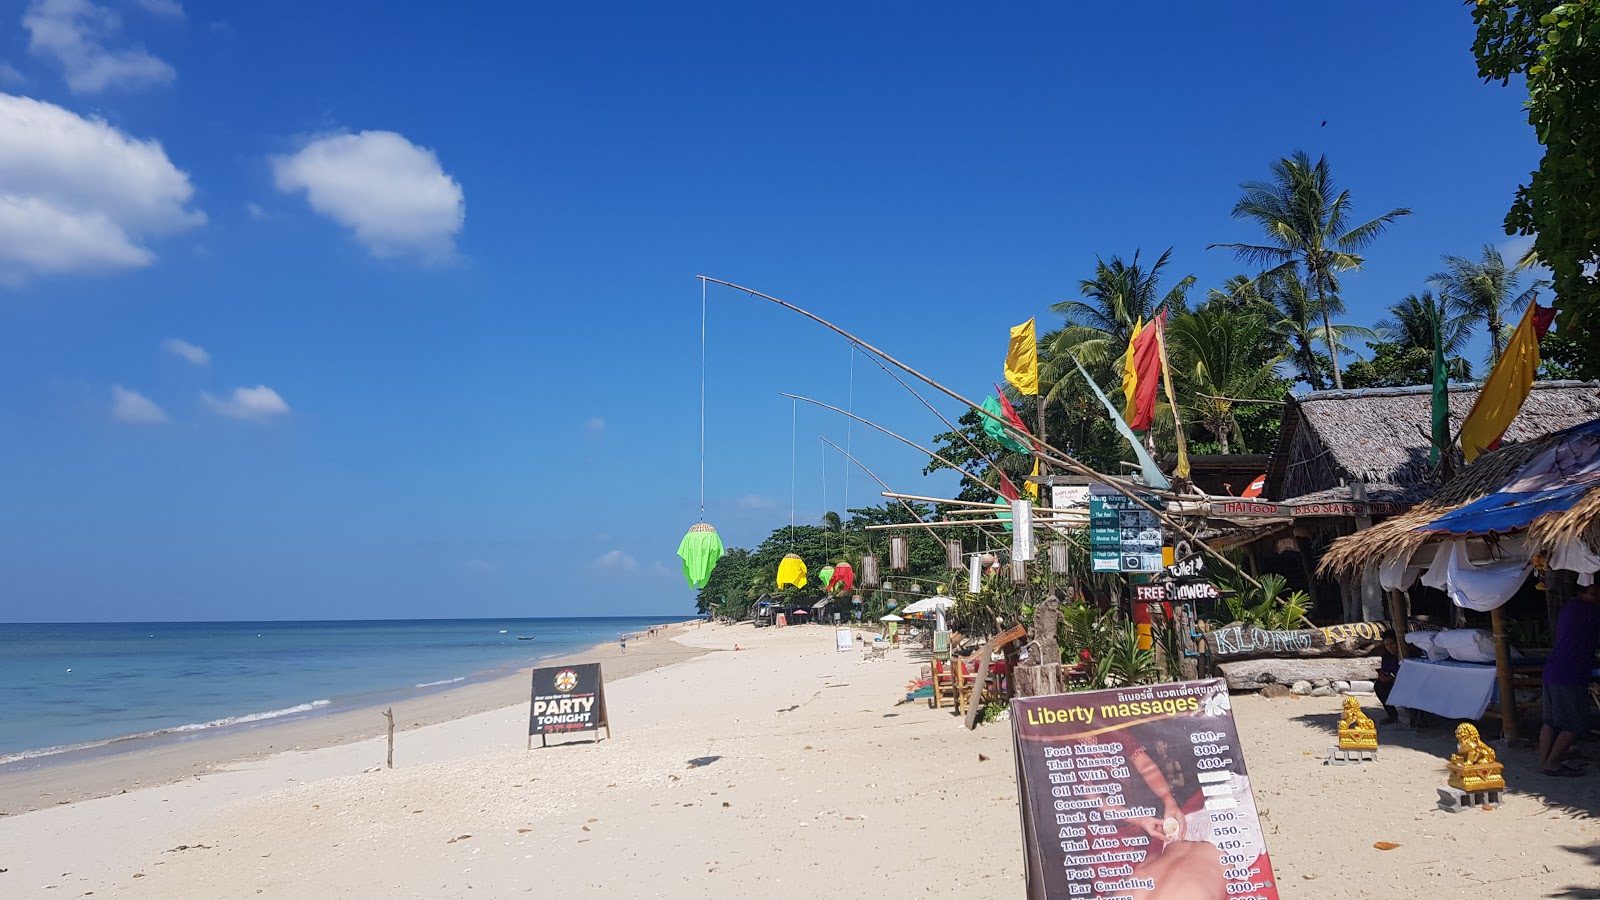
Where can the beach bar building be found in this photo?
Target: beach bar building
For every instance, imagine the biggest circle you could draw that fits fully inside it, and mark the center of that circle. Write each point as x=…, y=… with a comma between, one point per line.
x=1348, y=460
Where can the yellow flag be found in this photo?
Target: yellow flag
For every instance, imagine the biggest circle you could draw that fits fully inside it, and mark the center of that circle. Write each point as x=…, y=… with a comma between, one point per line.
x=1130, y=373
x=1506, y=388
x=1032, y=487
x=1022, y=360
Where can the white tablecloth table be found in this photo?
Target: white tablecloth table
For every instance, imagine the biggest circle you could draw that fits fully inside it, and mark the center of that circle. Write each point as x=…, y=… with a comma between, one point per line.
x=1445, y=687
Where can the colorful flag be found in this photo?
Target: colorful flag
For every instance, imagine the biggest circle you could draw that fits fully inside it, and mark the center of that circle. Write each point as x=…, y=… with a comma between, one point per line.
x=1022, y=360
x=1256, y=487
x=1141, y=373
x=1147, y=464
x=1010, y=413
x=1441, y=390
x=1182, y=469
x=1032, y=487
x=1507, y=386
x=993, y=425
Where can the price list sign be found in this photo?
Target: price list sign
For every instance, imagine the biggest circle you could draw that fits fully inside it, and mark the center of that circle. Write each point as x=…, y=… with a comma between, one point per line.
x=1123, y=536
x=1138, y=794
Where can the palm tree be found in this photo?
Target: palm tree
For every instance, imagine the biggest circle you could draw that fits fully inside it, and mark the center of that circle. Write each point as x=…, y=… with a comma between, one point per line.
x=1119, y=294
x=1483, y=292
x=1296, y=324
x=1304, y=217
x=1411, y=327
x=1216, y=354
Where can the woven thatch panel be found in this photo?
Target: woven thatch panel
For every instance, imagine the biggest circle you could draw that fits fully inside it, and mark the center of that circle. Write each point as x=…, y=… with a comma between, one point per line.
x=1351, y=554
x=1381, y=435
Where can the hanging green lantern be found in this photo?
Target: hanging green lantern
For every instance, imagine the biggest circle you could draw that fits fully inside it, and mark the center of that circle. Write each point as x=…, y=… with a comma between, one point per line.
x=700, y=549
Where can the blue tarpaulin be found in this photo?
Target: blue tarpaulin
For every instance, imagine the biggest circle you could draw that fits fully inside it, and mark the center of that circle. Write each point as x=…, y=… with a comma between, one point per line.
x=1501, y=513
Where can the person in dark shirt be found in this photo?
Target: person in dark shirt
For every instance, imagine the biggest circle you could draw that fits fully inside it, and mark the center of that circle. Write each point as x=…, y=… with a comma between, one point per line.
x=1566, y=680
x=1388, y=669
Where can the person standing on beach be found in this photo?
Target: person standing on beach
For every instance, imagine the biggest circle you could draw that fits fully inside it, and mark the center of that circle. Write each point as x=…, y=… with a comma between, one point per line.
x=1566, y=680
x=622, y=640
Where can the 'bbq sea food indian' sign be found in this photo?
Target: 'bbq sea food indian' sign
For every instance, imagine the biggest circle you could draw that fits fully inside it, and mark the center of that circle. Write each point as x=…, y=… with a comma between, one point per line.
x=567, y=699
x=1136, y=793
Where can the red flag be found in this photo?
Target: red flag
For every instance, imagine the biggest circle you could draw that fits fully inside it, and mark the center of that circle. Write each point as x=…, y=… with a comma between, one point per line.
x=1007, y=489
x=1142, y=373
x=1012, y=419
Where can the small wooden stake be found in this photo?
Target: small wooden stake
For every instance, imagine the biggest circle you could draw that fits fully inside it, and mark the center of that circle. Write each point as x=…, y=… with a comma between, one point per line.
x=389, y=714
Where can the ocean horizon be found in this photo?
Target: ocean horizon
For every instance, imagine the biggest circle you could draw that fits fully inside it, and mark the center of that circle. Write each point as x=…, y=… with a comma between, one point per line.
x=67, y=688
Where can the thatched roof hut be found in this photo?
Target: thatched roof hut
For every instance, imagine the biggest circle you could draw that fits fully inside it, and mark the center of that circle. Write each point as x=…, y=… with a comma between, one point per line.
x=1405, y=534
x=1379, y=436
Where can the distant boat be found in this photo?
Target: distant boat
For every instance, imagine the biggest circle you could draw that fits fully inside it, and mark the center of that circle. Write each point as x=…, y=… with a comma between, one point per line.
x=521, y=638
x=502, y=631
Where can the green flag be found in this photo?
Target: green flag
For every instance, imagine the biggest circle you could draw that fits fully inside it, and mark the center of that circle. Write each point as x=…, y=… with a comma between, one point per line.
x=1441, y=389
x=993, y=427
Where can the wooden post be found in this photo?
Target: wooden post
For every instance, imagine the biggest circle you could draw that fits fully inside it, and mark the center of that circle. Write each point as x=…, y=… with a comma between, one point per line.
x=1502, y=671
x=389, y=714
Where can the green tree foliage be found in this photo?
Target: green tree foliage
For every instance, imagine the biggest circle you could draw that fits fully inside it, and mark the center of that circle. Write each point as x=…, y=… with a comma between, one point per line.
x=1485, y=291
x=1121, y=293
x=1306, y=221
x=1404, y=354
x=1556, y=46
x=1221, y=358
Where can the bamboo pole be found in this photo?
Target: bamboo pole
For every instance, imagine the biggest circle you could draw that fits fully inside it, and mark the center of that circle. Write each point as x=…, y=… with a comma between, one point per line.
x=909, y=510
x=1502, y=671
x=1057, y=457
x=904, y=440
x=969, y=523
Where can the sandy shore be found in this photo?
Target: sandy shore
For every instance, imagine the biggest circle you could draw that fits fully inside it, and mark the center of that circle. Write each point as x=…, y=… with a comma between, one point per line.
x=146, y=762
x=782, y=770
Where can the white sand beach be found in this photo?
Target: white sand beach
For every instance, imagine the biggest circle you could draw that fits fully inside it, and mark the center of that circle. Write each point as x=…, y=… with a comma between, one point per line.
x=784, y=769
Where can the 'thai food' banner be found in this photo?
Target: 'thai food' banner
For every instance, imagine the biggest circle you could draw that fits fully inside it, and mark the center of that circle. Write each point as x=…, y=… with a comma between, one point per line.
x=1138, y=794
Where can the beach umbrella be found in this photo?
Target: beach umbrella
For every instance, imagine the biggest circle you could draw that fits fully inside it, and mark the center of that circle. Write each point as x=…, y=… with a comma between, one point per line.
x=792, y=571
x=844, y=578
x=891, y=617
x=700, y=549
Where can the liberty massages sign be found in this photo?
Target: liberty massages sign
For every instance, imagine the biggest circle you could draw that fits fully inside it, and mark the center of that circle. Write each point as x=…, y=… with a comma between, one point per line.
x=567, y=699
x=1138, y=793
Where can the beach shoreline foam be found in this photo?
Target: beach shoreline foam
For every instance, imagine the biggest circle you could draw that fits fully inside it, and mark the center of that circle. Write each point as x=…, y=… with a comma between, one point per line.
x=52, y=776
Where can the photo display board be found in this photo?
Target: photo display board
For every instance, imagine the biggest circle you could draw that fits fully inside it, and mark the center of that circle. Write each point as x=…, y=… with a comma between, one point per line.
x=1126, y=791
x=1123, y=536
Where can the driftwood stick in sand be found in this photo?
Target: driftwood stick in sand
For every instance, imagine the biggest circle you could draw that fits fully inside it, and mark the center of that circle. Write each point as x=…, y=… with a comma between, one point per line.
x=389, y=714
x=1053, y=456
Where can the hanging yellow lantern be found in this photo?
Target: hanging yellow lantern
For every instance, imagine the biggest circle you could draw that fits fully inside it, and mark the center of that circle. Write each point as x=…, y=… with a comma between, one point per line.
x=791, y=571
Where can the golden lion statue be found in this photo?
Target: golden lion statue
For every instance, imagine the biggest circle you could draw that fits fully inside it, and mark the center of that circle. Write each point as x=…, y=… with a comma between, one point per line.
x=1356, y=731
x=1473, y=766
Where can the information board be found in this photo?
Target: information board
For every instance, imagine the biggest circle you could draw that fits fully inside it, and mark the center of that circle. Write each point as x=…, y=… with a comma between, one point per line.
x=567, y=699
x=1123, y=536
x=1138, y=792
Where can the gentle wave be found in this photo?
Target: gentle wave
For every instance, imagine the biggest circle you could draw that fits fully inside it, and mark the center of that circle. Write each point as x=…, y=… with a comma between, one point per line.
x=446, y=681
x=176, y=729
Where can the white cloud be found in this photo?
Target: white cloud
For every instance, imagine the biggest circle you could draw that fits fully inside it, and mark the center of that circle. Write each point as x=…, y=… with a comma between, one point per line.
x=595, y=426
x=166, y=9
x=77, y=194
x=616, y=561
x=135, y=408
x=254, y=211
x=75, y=34
x=11, y=76
x=186, y=351
x=252, y=403
x=391, y=193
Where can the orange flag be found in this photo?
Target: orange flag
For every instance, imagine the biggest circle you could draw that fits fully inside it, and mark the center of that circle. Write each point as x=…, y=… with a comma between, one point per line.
x=1141, y=374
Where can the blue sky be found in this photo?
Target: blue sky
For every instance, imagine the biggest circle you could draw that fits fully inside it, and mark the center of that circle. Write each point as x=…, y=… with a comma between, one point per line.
x=433, y=269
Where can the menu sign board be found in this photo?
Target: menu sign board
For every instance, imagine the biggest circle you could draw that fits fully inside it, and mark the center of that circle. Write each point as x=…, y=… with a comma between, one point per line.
x=567, y=699
x=1130, y=793
x=1123, y=536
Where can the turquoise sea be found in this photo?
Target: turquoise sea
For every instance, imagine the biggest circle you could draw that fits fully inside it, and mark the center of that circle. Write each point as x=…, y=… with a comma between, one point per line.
x=78, y=687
